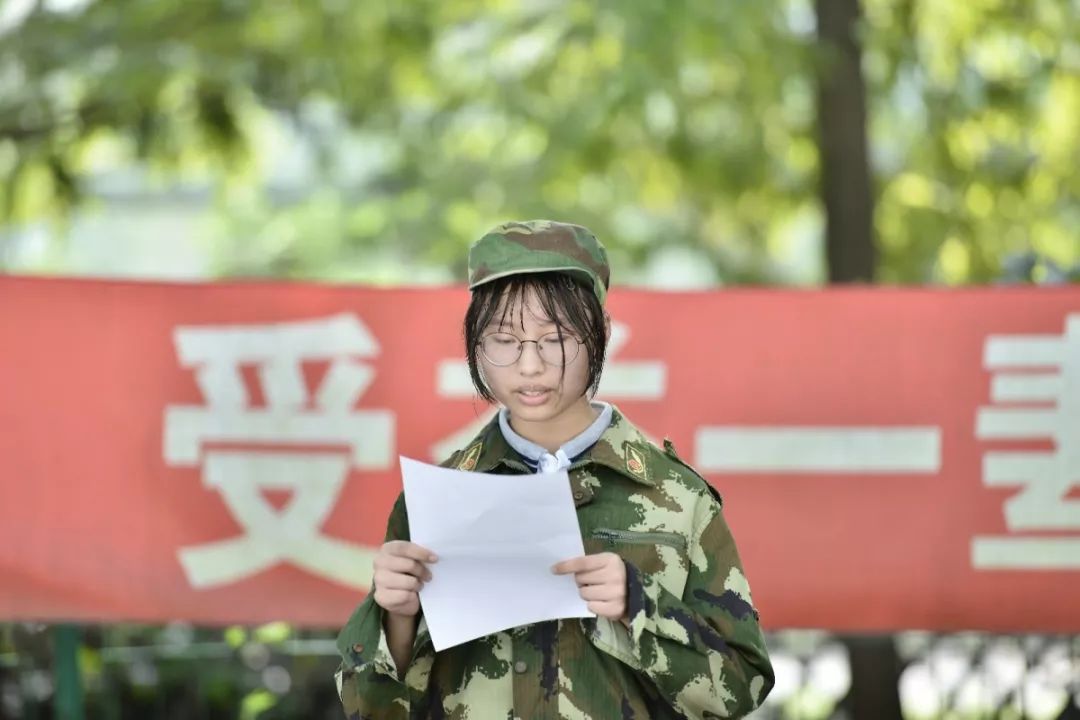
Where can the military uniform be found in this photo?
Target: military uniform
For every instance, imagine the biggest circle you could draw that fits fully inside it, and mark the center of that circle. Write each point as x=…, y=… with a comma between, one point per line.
x=694, y=647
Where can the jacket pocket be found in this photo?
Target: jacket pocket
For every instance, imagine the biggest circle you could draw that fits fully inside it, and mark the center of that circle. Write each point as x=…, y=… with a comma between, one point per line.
x=635, y=537
x=658, y=554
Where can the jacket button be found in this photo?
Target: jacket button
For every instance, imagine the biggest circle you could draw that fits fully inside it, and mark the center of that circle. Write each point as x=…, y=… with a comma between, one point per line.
x=578, y=494
x=520, y=666
x=358, y=648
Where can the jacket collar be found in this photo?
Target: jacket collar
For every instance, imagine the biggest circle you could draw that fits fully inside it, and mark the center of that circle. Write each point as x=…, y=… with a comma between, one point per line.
x=621, y=447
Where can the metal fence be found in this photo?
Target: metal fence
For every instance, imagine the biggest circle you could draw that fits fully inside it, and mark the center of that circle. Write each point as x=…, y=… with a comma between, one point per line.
x=275, y=672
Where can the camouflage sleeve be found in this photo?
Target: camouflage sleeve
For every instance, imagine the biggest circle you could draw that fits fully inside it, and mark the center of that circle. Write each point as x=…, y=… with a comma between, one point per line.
x=704, y=651
x=368, y=681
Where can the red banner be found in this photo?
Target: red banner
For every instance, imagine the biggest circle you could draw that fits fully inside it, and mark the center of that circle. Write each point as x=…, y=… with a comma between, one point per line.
x=227, y=453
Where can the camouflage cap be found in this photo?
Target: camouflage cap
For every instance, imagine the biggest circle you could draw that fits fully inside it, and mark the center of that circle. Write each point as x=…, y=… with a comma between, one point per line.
x=534, y=246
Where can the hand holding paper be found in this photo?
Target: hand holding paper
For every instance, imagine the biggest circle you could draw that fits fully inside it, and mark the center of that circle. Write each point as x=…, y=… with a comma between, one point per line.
x=400, y=572
x=601, y=581
x=497, y=538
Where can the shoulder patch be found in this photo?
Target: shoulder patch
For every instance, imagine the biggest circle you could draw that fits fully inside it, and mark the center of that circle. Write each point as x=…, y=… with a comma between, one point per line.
x=470, y=456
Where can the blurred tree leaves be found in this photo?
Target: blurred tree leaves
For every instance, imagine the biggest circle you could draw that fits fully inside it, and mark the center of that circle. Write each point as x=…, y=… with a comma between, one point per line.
x=340, y=135
x=975, y=123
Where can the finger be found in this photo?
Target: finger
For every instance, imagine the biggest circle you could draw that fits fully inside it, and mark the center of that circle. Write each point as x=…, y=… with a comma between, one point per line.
x=395, y=564
x=604, y=593
x=402, y=548
x=603, y=576
x=405, y=565
x=397, y=581
x=579, y=564
x=391, y=599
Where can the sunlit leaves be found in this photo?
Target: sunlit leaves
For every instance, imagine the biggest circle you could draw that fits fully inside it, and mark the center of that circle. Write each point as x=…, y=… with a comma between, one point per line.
x=342, y=137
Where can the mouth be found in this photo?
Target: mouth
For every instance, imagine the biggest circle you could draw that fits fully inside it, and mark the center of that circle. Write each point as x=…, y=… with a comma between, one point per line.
x=533, y=395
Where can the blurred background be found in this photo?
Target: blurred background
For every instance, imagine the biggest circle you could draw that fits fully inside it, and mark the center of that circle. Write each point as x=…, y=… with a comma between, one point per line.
x=784, y=143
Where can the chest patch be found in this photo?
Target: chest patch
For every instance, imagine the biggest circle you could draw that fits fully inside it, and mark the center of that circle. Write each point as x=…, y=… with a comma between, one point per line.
x=635, y=462
x=471, y=456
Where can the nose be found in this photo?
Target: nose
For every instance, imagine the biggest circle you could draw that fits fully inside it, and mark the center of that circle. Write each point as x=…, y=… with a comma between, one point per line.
x=530, y=362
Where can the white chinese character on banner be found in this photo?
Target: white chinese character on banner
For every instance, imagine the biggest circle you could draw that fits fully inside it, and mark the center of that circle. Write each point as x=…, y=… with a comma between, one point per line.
x=1036, y=391
x=621, y=380
x=282, y=433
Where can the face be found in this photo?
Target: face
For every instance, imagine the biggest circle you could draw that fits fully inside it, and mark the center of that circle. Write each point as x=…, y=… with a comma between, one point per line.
x=535, y=391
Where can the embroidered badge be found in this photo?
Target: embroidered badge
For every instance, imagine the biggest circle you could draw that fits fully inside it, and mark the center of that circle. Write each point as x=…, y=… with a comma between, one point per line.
x=635, y=463
x=468, y=462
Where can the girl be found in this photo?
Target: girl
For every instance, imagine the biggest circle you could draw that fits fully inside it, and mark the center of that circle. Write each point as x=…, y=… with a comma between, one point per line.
x=675, y=634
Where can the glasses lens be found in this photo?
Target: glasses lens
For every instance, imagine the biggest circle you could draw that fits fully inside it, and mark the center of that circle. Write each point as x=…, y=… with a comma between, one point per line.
x=501, y=348
x=556, y=351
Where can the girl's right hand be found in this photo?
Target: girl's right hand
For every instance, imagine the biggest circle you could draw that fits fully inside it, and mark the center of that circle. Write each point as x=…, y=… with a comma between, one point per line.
x=400, y=572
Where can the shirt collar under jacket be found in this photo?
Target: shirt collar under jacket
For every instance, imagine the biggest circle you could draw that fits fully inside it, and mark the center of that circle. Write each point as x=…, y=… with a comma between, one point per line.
x=621, y=447
x=539, y=458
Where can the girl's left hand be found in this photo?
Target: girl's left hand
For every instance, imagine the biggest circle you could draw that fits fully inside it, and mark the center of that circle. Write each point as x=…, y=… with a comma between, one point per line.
x=601, y=581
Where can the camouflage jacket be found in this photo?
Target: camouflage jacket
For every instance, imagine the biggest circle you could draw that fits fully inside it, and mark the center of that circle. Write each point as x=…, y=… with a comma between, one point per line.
x=694, y=648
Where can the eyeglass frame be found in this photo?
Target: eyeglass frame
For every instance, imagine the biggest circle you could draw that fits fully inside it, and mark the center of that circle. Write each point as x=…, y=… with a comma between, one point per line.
x=539, y=353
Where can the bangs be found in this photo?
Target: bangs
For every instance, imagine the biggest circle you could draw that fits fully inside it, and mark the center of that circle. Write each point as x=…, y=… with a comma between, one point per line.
x=510, y=308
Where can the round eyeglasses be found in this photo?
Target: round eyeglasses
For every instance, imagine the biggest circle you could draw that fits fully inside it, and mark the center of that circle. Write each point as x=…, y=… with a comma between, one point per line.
x=504, y=349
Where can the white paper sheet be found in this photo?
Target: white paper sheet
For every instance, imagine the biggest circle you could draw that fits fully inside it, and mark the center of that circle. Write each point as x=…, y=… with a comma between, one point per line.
x=496, y=537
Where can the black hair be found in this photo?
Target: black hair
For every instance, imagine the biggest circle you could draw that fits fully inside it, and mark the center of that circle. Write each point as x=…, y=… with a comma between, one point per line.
x=570, y=304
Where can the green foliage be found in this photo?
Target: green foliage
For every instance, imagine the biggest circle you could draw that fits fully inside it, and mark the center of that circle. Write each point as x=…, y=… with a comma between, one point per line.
x=975, y=129
x=175, y=671
x=654, y=124
x=256, y=703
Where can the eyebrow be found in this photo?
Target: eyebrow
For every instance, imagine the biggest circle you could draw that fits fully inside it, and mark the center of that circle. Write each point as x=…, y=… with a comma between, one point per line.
x=508, y=324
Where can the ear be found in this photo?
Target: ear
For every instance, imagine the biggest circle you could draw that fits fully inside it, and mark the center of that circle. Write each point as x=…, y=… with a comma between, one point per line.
x=607, y=327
